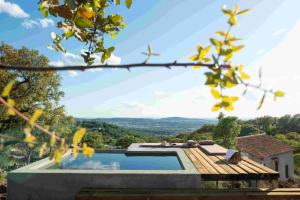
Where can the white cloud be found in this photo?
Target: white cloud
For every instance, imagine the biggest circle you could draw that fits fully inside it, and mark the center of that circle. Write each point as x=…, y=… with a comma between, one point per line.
x=279, y=32
x=46, y=22
x=260, y=51
x=39, y=23
x=73, y=59
x=73, y=73
x=12, y=9
x=160, y=94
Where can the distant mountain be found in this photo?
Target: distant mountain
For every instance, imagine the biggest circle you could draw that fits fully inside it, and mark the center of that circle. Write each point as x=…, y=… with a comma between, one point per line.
x=162, y=126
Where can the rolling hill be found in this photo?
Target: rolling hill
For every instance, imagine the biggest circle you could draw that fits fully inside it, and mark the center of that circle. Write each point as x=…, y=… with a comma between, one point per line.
x=161, y=126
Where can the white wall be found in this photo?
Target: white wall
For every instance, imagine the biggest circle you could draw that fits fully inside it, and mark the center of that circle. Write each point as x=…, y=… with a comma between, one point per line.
x=283, y=159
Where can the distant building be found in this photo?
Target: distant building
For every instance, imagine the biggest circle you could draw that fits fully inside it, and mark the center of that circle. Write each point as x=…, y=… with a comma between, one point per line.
x=270, y=152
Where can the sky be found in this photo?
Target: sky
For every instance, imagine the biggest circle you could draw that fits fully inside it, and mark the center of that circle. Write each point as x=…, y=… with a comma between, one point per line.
x=173, y=28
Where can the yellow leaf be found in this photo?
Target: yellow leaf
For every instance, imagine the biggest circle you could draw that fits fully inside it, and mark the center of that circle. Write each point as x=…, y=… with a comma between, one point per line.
x=42, y=150
x=86, y=13
x=78, y=136
x=279, y=93
x=10, y=111
x=87, y=151
x=235, y=8
x=52, y=139
x=243, y=12
x=37, y=113
x=204, y=52
x=216, y=107
x=237, y=48
x=215, y=93
x=75, y=151
x=234, y=98
x=232, y=20
x=57, y=156
x=197, y=67
x=194, y=57
x=227, y=11
x=96, y=3
x=8, y=88
x=128, y=3
x=29, y=138
x=229, y=107
x=244, y=75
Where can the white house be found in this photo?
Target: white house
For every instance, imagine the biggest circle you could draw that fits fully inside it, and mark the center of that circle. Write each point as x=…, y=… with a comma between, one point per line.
x=270, y=152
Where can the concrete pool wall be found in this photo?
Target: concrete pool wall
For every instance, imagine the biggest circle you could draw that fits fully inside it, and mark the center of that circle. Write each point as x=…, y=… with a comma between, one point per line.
x=37, y=182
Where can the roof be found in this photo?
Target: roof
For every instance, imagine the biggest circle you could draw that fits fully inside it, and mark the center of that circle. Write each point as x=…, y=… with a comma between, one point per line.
x=261, y=145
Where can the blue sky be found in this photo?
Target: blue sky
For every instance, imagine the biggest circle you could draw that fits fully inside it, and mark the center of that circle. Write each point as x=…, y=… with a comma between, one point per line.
x=270, y=31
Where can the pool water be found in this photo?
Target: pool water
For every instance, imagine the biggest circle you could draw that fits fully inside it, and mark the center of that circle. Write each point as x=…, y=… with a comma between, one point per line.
x=122, y=161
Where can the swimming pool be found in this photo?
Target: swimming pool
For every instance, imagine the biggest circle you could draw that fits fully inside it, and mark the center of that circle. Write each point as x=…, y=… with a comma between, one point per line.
x=121, y=161
x=132, y=168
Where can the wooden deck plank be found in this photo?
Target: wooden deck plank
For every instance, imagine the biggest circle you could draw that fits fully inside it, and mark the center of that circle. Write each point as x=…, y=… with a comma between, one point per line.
x=268, y=170
x=200, y=167
x=258, y=170
x=187, y=194
x=222, y=164
x=211, y=162
x=207, y=165
x=233, y=166
x=216, y=167
x=247, y=169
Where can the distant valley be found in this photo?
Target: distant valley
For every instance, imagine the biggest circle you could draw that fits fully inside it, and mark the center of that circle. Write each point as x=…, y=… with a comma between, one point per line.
x=162, y=126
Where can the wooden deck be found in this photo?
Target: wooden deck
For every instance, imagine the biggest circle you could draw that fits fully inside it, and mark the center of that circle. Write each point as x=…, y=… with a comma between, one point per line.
x=216, y=167
x=185, y=194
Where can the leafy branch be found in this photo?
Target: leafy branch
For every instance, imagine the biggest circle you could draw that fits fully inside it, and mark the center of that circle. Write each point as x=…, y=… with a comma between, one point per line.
x=86, y=21
x=58, y=150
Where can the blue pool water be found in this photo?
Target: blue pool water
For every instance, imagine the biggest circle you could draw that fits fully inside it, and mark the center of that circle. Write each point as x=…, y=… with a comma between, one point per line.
x=123, y=161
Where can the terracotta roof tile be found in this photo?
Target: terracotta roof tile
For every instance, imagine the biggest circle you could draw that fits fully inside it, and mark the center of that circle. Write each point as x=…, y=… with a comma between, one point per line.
x=261, y=146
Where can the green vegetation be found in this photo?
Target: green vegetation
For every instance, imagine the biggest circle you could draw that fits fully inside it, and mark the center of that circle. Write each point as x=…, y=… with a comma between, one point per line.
x=227, y=129
x=162, y=127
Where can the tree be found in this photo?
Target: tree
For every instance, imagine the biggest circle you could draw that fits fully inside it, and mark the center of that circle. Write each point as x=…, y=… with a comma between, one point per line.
x=32, y=91
x=227, y=129
x=126, y=140
x=94, y=139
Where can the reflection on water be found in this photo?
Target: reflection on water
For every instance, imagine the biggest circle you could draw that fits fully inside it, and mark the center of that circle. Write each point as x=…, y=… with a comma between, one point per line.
x=90, y=164
x=121, y=161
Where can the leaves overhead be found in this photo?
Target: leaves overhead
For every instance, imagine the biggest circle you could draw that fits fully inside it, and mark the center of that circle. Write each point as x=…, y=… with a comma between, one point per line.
x=87, y=21
x=224, y=74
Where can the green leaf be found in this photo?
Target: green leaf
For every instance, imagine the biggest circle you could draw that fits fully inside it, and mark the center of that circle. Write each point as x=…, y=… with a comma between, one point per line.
x=212, y=79
x=43, y=9
x=68, y=34
x=96, y=3
x=237, y=48
x=243, y=12
x=262, y=101
x=118, y=2
x=116, y=19
x=83, y=22
x=216, y=42
x=128, y=3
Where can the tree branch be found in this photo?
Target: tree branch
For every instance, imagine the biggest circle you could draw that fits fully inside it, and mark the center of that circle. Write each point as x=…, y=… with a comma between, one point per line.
x=36, y=125
x=168, y=65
